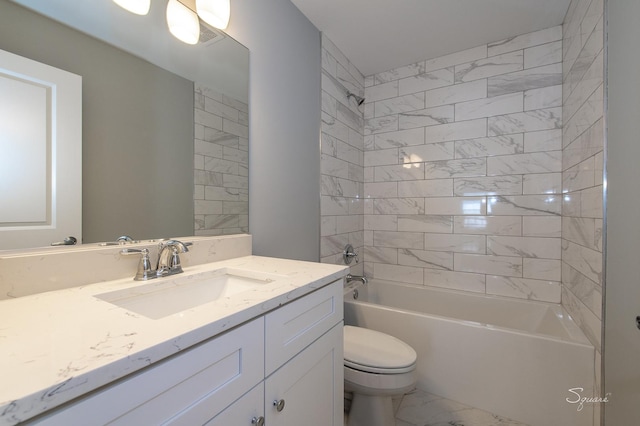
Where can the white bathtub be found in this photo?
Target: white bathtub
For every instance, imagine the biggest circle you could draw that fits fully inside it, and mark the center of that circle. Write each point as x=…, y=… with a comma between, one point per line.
x=515, y=358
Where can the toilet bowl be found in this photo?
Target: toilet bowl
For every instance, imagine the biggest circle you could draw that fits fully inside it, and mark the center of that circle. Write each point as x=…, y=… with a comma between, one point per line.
x=377, y=367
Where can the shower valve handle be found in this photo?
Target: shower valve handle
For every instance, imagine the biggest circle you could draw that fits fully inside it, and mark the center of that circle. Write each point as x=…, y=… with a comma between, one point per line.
x=348, y=254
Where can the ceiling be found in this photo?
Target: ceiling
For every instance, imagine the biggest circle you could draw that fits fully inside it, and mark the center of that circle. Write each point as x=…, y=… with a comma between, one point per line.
x=379, y=35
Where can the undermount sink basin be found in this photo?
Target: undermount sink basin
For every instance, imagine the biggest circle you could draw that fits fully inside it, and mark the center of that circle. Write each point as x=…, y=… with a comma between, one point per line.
x=170, y=295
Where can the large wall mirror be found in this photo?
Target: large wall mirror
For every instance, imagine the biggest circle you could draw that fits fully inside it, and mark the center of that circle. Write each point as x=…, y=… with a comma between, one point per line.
x=164, y=124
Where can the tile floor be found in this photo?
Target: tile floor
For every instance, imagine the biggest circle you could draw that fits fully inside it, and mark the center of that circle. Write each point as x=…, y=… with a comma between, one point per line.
x=420, y=408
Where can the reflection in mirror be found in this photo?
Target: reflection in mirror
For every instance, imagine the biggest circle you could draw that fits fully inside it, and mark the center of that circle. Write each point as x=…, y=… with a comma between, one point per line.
x=165, y=125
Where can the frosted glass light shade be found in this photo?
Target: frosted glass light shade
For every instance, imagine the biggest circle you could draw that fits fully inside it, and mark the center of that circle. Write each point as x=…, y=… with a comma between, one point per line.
x=183, y=22
x=214, y=12
x=139, y=7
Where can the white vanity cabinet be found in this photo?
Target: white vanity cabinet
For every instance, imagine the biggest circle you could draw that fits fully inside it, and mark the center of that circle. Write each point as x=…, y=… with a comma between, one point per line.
x=291, y=355
x=303, y=366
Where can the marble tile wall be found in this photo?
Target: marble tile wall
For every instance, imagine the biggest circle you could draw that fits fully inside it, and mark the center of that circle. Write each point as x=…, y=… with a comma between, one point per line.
x=463, y=170
x=582, y=165
x=342, y=158
x=221, y=164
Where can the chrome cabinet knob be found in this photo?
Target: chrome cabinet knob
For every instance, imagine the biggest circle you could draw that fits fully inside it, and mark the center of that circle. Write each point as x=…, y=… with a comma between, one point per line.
x=279, y=404
x=258, y=421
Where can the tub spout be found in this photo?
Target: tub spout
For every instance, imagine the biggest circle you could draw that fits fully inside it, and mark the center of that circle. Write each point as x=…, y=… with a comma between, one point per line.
x=356, y=277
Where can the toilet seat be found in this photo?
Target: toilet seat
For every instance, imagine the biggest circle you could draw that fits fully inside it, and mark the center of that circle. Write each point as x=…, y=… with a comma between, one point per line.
x=375, y=352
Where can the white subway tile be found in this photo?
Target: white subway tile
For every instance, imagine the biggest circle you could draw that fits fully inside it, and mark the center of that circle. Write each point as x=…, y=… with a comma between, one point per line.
x=456, y=58
x=542, y=269
x=425, y=259
x=398, y=139
x=535, y=162
x=428, y=152
x=453, y=131
x=543, y=183
x=529, y=121
x=400, y=73
x=491, y=66
x=380, y=254
x=488, y=264
x=405, y=274
x=588, y=114
x=523, y=288
x=426, y=117
x=399, y=172
x=381, y=91
x=545, y=97
x=542, y=248
x=426, y=81
x=489, y=107
x=388, y=123
x=544, y=54
x=333, y=206
x=486, y=147
x=381, y=157
x=455, y=280
x=398, y=206
x=495, y=185
x=545, y=140
x=532, y=78
x=524, y=205
x=456, y=206
x=381, y=190
x=426, y=188
x=455, y=243
x=381, y=222
x=580, y=230
x=411, y=102
x=525, y=40
x=425, y=223
x=398, y=239
x=488, y=225
x=458, y=93
x=591, y=202
x=542, y=226
x=467, y=167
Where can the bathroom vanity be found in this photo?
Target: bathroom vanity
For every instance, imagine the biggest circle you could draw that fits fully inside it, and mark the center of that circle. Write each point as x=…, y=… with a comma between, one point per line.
x=113, y=352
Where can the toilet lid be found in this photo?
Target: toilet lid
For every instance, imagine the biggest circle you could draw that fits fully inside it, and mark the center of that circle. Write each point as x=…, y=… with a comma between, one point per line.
x=373, y=351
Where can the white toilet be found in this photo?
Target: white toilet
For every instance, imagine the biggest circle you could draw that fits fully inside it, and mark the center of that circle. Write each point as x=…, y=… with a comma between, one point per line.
x=377, y=367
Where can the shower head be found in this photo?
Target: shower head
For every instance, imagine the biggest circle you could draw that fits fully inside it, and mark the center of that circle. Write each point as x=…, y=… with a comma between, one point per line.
x=359, y=99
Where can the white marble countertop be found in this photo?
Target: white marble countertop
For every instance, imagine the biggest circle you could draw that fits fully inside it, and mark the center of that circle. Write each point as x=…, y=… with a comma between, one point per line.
x=59, y=345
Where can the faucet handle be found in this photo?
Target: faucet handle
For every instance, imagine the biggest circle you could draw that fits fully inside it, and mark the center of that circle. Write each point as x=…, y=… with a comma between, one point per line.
x=145, y=271
x=174, y=263
x=349, y=253
x=125, y=239
x=182, y=247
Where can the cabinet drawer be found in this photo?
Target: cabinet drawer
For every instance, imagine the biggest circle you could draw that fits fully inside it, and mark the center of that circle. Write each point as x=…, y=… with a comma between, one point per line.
x=205, y=380
x=294, y=326
x=243, y=411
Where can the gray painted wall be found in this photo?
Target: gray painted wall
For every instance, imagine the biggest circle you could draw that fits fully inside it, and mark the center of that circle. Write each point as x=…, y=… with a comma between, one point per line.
x=622, y=297
x=284, y=114
x=137, y=178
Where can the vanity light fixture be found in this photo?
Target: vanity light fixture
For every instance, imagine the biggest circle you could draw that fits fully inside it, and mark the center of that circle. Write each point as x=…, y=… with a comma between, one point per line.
x=183, y=22
x=139, y=7
x=182, y=19
x=214, y=12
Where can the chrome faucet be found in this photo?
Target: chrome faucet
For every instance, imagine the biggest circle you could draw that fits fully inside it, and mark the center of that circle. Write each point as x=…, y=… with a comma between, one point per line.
x=356, y=277
x=168, y=257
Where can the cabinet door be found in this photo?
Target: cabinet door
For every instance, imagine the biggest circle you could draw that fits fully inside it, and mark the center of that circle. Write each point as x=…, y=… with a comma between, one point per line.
x=310, y=386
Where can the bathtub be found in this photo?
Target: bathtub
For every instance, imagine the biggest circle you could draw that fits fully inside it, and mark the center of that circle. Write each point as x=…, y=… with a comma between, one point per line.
x=515, y=358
